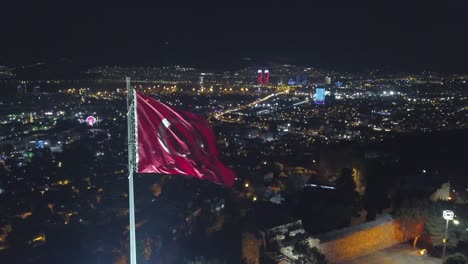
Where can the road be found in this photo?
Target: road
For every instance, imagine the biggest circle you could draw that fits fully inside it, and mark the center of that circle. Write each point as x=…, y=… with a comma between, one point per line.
x=219, y=115
x=400, y=254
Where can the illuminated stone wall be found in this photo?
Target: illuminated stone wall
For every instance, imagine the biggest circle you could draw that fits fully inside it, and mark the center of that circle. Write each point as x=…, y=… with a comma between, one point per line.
x=251, y=248
x=360, y=240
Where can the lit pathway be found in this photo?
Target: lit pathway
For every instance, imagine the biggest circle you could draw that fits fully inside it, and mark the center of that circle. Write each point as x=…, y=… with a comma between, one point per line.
x=219, y=115
x=401, y=254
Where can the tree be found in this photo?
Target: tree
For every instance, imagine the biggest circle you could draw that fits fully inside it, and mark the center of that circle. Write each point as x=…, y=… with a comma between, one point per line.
x=307, y=254
x=376, y=197
x=435, y=225
x=346, y=187
x=294, y=183
x=456, y=259
x=411, y=217
x=429, y=214
x=348, y=197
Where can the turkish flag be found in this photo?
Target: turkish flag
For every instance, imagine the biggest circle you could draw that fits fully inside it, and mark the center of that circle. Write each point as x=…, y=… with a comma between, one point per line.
x=172, y=141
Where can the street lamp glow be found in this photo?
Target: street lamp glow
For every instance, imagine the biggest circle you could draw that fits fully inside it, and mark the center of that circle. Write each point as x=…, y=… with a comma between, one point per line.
x=448, y=215
x=455, y=221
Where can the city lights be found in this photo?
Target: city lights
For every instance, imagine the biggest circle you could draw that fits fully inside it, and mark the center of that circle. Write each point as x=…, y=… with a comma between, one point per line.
x=257, y=134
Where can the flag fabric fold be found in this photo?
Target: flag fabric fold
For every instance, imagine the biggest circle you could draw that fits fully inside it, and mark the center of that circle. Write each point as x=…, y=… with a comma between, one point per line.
x=172, y=141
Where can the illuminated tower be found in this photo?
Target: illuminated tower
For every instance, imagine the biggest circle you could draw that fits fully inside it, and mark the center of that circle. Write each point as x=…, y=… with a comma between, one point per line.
x=260, y=77
x=202, y=78
x=19, y=90
x=319, y=96
x=266, y=78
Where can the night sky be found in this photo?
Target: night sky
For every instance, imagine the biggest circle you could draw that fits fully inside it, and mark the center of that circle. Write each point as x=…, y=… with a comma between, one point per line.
x=342, y=34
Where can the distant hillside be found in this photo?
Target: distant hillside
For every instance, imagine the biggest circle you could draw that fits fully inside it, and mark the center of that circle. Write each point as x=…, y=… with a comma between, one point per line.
x=62, y=69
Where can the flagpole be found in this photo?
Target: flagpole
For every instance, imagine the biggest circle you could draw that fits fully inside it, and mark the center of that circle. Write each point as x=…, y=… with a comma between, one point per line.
x=131, y=124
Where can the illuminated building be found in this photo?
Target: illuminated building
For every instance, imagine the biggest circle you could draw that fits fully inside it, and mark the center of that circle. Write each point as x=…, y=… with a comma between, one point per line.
x=90, y=120
x=19, y=90
x=260, y=77
x=304, y=80
x=319, y=96
x=266, y=78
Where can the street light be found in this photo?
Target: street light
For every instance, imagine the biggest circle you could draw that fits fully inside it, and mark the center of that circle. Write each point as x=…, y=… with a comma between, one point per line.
x=447, y=215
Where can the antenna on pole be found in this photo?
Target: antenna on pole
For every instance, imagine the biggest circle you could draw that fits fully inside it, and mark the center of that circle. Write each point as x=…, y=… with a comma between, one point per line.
x=132, y=134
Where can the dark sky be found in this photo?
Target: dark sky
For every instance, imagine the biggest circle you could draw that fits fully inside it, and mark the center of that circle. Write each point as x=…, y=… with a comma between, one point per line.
x=399, y=34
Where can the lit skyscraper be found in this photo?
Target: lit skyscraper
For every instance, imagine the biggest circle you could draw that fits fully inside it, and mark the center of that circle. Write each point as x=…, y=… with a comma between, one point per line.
x=319, y=96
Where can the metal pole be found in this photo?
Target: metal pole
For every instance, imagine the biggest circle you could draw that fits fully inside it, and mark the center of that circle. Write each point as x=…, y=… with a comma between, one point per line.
x=445, y=241
x=131, y=162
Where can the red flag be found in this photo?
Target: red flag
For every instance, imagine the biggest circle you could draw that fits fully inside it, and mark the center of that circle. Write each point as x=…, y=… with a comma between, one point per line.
x=177, y=142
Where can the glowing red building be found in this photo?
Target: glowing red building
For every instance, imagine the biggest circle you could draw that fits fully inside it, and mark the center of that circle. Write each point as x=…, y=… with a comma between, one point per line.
x=266, y=77
x=260, y=77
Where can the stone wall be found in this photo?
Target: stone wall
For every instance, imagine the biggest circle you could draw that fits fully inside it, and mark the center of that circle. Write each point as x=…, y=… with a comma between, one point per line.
x=251, y=248
x=352, y=242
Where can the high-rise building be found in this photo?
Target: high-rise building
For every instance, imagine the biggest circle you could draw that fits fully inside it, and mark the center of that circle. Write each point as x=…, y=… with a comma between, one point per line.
x=259, y=77
x=266, y=79
x=304, y=80
x=20, y=90
x=319, y=96
x=327, y=80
